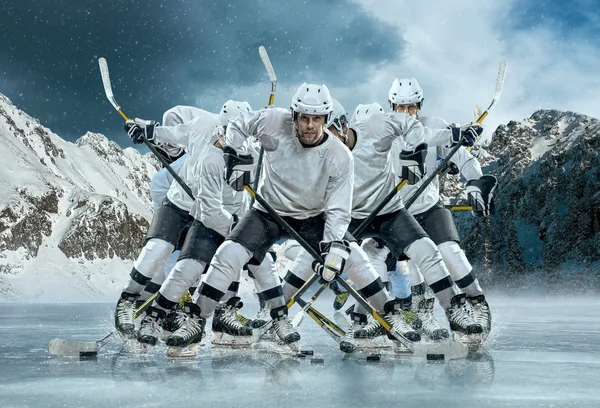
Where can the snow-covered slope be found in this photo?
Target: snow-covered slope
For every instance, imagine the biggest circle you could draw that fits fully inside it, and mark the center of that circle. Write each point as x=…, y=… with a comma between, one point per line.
x=547, y=224
x=72, y=216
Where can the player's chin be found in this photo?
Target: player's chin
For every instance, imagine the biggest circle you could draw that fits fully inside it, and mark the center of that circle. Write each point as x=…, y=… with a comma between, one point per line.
x=309, y=138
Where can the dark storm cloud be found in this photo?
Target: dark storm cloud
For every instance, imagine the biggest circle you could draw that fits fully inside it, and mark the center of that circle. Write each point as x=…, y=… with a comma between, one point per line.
x=163, y=53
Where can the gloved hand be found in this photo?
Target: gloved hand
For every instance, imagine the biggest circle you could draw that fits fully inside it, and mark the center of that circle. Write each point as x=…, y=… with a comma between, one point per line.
x=334, y=254
x=413, y=164
x=467, y=136
x=480, y=195
x=237, y=168
x=137, y=128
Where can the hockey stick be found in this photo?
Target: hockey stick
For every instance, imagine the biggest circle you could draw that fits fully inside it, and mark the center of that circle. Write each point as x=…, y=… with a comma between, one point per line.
x=306, y=305
x=408, y=344
x=459, y=207
x=67, y=348
x=442, y=166
x=111, y=97
x=273, y=78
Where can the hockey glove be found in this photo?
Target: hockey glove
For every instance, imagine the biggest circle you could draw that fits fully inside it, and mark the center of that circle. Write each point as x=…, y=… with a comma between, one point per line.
x=334, y=255
x=480, y=195
x=449, y=167
x=413, y=164
x=237, y=168
x=467, y=136
x=138, y=128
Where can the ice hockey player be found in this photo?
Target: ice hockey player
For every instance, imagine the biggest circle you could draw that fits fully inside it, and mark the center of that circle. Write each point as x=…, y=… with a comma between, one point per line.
x=307, y=178
x=169, y=220
x=406, y=95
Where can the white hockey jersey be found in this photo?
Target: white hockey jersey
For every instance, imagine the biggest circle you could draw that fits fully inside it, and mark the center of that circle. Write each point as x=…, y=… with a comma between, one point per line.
x=215, y=200
x=298, y=181
x=374, y=175
x=161, y=181
x=437, y=135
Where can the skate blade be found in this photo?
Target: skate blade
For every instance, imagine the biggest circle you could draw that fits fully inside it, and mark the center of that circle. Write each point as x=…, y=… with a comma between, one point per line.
x=190, y=351
x=377, y=343
x=438, y=350
x=286, y=349
x=227, y=340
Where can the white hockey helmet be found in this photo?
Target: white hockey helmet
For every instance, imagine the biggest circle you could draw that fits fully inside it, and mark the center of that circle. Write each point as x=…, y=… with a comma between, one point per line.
x=232, y=109
x=405, y=91
x=312, y=99
x=338, y=117
x=362, y=112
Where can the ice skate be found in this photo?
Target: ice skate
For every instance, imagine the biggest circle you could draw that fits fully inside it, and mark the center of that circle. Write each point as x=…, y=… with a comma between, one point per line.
x=124, y=315
x=172, y=322
x=395, y=318
x=227, y=330
x=183, y=342
x=464, y=329
x=480, y=310
x=283, y=327
x=429, y=326
x=150, y=328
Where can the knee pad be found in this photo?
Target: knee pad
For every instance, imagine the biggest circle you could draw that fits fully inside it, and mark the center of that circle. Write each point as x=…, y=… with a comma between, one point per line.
x=414, y=273
x=377, y=256
x=427, y=258
x=359, y=269
x=153, y=256
x=184, y=275
x=226, y=265
x=455, y=259
x=265, y=274
x=292, y=249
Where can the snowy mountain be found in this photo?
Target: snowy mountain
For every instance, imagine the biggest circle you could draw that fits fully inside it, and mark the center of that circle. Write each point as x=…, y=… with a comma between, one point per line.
x=547, y=226
x=72, y=216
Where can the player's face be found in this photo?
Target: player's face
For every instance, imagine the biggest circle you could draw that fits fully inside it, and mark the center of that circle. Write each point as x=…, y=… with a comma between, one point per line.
x=310, y=128
x=411, y=109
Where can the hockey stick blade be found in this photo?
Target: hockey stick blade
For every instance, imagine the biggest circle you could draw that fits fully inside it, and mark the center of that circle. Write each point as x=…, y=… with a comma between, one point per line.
x=300, y=315
x=66, y=348
x=270, y=71
x=268, y=66
x=106, y=82
x=498, y=91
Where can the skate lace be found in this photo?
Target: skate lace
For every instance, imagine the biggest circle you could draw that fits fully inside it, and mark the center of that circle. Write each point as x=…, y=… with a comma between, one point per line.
x=283, y=326
x=125, y=312
x=149, y=327
x=372, y=328
x=460, y=316
x=428, y=320
x=481, y=314
x=397, y=322
x=230, y=320
x=189, y=328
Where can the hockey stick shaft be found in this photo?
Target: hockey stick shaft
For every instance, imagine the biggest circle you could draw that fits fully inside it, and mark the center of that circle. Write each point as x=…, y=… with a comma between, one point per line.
x=273, y=79
x=111, y=98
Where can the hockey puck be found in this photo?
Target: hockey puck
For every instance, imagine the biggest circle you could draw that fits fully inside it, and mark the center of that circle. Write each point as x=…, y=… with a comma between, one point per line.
x=88, y=355
x=317, y=360
x=301, y=355
x=374, y=357
x=435, y=357
x=307, y=352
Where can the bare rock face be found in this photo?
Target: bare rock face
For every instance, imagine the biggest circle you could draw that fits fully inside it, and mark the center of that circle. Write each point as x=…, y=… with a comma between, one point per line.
x=72, y=216
x=547, y=224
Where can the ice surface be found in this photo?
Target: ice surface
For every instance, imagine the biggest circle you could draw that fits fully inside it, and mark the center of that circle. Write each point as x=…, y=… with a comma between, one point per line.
x=541, y=353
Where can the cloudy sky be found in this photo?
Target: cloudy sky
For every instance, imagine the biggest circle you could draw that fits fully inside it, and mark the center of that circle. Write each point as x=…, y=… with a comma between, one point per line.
x=199, y=52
